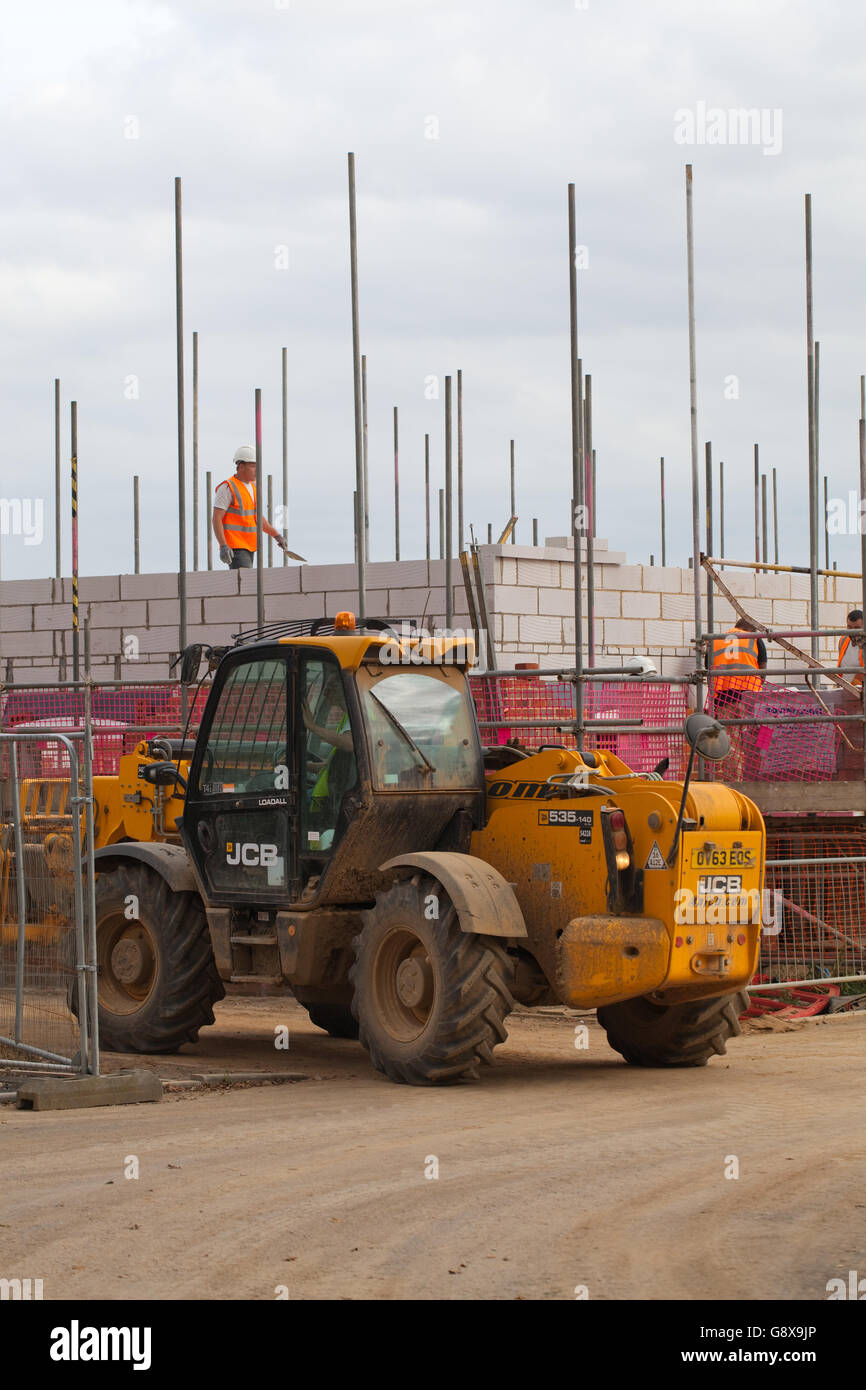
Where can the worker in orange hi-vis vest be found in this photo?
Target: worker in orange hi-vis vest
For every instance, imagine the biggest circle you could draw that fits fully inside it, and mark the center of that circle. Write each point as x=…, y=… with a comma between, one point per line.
x=739, y=656
x=851, y=647
x=234, y=514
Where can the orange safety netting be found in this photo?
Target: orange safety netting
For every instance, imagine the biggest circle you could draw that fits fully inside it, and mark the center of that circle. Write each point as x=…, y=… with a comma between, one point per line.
x=511, y=701
x=121, y=718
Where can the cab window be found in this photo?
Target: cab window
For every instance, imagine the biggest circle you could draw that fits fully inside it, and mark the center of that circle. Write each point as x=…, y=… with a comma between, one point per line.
x=329, y=769
x=421, y=729
x=246, y=744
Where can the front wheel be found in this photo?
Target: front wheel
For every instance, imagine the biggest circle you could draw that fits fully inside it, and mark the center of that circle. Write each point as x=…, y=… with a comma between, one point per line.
x=430, y=1000
x=157, y=981
x=672, y=1035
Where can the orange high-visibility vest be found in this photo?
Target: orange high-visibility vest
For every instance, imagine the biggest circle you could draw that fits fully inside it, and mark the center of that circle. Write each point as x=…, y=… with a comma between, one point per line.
x=738, y=649
x=239, y=522
x=845, y=644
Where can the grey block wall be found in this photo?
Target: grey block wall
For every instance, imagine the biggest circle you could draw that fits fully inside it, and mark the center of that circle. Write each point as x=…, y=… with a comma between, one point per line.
x=639, y=609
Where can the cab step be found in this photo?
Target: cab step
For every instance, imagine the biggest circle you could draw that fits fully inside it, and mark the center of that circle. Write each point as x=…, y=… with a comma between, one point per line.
x=256, y=979
x=254, y=940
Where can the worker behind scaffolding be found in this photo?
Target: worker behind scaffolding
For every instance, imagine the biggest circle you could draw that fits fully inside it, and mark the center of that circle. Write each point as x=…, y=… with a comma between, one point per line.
x=740, y=657
x=851, y=648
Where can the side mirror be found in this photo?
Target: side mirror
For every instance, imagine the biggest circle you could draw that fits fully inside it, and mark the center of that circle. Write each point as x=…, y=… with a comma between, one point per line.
x=707, y=737
x=190, y=663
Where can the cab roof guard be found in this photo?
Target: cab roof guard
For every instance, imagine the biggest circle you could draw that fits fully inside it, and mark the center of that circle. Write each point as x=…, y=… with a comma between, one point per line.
x=319, y=627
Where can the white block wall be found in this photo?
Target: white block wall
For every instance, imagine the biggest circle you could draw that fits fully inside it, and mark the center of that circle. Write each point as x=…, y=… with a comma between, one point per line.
x=639, y=609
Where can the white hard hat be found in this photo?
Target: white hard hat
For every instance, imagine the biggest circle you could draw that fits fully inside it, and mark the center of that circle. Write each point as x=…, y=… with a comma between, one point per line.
x=641, y=666
x=245, y=454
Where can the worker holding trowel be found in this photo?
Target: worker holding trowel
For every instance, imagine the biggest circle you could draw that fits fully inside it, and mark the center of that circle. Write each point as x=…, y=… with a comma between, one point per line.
x=234, y=514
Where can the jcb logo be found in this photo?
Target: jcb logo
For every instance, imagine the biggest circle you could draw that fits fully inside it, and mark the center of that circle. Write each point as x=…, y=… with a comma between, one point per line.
x=720, y=883
x=250, y=855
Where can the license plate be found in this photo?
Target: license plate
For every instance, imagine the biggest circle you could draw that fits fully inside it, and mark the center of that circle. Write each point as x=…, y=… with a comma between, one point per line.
x=719, y=858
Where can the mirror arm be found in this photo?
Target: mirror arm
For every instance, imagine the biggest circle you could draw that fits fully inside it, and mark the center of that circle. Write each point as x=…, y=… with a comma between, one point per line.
x=672, y=854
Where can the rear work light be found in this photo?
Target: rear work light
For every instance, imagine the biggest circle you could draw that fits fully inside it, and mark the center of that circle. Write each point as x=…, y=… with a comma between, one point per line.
x=624, y=884
x=619, y=839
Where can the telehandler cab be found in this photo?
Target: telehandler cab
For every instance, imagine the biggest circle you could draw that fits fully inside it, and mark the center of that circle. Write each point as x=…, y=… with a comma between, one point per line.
x=333, y=828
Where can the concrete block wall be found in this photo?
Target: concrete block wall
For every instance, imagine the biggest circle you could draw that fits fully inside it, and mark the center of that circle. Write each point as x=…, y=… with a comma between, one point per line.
x=134, y=618
x=639, y=609
x=644, y=609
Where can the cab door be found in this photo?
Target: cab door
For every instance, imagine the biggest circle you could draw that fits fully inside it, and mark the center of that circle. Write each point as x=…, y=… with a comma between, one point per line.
x=239, y=823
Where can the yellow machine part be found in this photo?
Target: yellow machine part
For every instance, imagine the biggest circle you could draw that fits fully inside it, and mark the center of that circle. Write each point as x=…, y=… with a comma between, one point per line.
x=552, y=849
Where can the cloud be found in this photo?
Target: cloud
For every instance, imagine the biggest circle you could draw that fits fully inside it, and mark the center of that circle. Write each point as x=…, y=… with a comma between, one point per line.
x=462, y=248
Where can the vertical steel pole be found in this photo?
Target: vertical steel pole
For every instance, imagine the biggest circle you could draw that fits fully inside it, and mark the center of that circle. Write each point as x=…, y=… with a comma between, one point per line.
x=535, y=531
x=576, y=527
x=78, y=788
x=490, y=533
x=73, y=412
x=441, y=523
x=396, y=488
x=90, y=877
x=460, y=528
x=449, y=508
x=195, y=451
x=366, y=458
x=817, y=416
x=594, y=495
x=721, y=508
x=662, y=497
x=260, y=579
x=863, y=557
x=775, y=522
x=270, y=518
x=590, y=530
x=20, y=892
x=181, y=459
x=361, y=501
x=813, y=469
x=709, y=519
x=693, y=411
x=57, y=557
x=513, y=497
x=764, y=555
x=427, y=500
x=285, y=403
x=208, y=516
x=863, y=397
x=757, y=507
x=826, y=527
x=136, y=527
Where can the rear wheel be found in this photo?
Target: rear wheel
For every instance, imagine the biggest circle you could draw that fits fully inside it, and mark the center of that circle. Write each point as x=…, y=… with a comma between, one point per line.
x=430, y=1000
x=672, y=1035
x=157, y=981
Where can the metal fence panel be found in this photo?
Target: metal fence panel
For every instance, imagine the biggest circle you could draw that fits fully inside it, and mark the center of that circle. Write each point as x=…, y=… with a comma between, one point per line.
x=816, y=883
x=42, y=906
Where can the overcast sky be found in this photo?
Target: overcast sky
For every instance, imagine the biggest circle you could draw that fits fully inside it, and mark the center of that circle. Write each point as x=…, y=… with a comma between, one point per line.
x=462, y=250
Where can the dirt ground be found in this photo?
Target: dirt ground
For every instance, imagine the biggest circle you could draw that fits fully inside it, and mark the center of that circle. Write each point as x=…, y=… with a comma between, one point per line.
x=561, y=1168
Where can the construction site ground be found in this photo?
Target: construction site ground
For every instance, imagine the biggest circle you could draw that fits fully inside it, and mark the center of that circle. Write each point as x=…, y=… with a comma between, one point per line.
x=563, y=1169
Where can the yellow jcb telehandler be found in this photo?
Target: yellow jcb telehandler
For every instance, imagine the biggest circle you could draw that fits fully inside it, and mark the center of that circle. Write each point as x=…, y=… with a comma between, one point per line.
x=334, y=828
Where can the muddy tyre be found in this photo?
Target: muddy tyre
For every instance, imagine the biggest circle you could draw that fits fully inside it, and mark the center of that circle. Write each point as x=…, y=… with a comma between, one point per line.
x=431, y=1000
x=336, y=1019
x=157, y=980
x=672, y=1035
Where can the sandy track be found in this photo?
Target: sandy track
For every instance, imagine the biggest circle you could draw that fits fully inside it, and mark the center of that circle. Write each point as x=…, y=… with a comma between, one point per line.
x=560, y=1168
